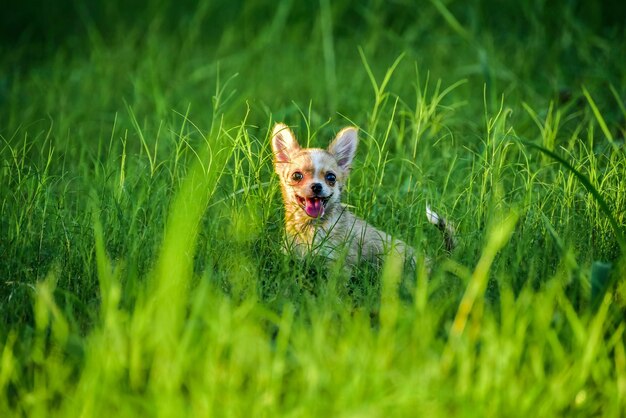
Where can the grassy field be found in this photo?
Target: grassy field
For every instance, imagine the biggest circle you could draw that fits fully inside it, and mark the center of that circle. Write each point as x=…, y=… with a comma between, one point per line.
x=141, y=270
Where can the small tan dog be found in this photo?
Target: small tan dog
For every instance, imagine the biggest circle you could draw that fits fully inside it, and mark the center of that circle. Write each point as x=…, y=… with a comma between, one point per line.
x=315, y=220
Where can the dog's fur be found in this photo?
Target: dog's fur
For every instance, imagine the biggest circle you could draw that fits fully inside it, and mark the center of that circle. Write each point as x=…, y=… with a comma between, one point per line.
x=316, y=222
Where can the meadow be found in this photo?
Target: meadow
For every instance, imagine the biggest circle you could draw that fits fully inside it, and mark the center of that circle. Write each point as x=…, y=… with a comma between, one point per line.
x=141, y=266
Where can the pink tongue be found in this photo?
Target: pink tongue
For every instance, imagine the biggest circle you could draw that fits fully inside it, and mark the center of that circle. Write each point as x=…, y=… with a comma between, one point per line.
x=314, y=208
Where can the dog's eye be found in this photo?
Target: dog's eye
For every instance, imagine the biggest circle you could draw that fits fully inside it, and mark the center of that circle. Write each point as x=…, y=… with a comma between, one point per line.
x=297, y=176
x=331, y=178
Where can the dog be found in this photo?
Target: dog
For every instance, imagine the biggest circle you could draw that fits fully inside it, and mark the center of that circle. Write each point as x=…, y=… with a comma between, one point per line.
x=316, y=222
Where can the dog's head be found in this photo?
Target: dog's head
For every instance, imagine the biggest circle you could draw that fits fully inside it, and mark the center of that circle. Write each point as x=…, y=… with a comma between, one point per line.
x=312, y=178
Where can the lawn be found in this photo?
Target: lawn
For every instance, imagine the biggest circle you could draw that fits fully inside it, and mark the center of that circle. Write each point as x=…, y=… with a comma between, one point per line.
x=141, y=266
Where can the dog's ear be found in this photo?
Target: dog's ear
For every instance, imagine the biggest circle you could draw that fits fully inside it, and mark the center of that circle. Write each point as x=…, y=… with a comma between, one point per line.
x=283, y=143
x=343, y=147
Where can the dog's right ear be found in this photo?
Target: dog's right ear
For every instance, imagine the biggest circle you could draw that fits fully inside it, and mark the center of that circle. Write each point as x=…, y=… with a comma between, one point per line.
x=283, y=143
x=344, y=147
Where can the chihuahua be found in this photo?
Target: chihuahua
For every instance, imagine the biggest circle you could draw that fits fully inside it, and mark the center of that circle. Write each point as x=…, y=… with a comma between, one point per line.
x=316, y=222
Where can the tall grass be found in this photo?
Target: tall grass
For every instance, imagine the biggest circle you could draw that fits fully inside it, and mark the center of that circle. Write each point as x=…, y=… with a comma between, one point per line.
x=142, y=272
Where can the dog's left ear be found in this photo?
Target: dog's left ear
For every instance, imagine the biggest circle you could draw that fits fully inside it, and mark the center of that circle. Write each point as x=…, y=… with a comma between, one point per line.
x=283, y=143
x=343, y=147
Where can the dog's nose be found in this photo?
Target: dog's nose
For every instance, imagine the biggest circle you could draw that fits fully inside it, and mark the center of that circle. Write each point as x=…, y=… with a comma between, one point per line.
x=317, y=188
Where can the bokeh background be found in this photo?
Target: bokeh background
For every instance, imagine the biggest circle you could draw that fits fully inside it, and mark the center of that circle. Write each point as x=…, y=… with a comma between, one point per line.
x=280, y=50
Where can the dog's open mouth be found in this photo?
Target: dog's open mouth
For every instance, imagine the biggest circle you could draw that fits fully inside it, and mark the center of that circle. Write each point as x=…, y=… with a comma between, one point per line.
x=313, y=206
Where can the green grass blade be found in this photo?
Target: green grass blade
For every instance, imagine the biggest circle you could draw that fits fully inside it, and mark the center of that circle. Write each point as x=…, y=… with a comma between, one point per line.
x=617, y=229
x=598, y=115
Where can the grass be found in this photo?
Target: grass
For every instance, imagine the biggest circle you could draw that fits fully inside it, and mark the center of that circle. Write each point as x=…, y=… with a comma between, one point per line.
x=142, y=272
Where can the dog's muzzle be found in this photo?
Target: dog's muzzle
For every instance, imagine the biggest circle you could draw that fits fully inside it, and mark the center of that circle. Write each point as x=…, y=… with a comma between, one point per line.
x=313, y=206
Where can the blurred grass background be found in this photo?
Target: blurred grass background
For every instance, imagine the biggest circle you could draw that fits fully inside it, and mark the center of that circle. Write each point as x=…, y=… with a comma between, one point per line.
x=141, y=271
